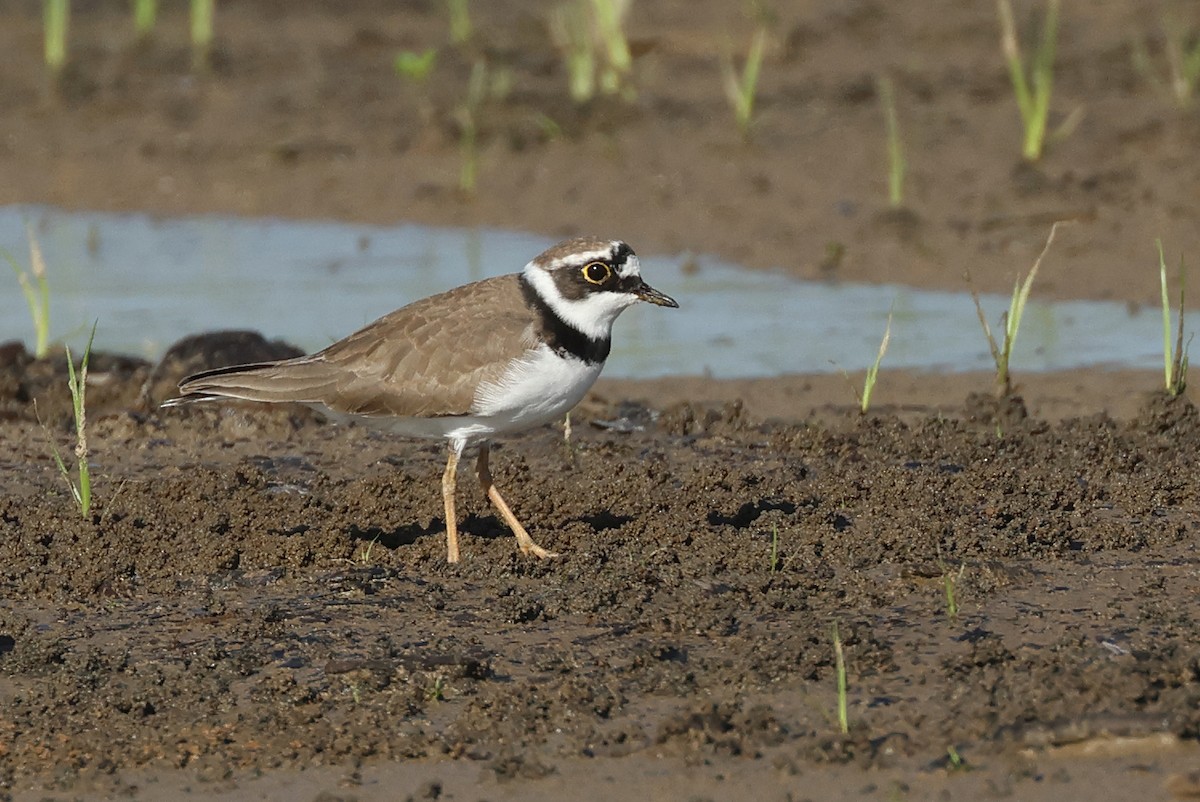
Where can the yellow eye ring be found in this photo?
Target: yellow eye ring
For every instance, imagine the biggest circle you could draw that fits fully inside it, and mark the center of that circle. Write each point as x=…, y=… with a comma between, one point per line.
x=596, y=272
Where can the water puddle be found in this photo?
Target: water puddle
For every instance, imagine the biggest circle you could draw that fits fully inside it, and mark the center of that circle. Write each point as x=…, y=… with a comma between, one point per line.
x=150, y=281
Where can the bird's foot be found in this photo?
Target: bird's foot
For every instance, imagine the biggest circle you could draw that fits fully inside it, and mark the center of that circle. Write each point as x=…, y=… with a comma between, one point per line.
x=537, y=551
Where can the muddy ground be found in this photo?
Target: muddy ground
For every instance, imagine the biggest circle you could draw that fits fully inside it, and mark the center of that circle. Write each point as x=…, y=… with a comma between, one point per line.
x=258, y=605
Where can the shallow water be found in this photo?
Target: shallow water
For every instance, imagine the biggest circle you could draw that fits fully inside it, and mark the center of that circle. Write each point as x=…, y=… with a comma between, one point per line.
x=149, y=281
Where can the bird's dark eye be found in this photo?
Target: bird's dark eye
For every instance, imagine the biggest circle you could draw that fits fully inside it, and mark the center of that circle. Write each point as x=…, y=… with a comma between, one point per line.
x=597, y=272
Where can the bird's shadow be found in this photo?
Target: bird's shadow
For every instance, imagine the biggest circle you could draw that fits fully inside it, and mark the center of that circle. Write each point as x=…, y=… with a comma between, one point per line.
x=749, y=512
x=604, y=520
x=395, y=538
x=487, y=527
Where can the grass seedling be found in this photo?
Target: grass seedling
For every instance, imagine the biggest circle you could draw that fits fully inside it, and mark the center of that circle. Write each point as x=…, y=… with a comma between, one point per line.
x=468, y=115
x=1175, y=364
x=839, y=659
x=1032, y=90
x=145, y=14
x=569, y=28
x=864, y=398
x=591, y=36
x=460, y=21
x=364, y=554
x=1002, y=352
x=56, y=15
x=954, y=761
x=609, y=19
x=81, y=490
x=864, y=401
x=897, y=166
x=202, y=12
x=36, y=291
x=571, y=448
x=1183, y=64
x=741, y=90
x=950, y=582
x=415, y=67
x=951, y=604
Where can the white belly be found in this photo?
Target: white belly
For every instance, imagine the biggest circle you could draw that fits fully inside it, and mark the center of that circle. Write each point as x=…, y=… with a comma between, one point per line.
x=538, y=389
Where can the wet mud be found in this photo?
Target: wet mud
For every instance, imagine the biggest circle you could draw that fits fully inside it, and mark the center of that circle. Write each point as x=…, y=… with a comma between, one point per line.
x=256, y=590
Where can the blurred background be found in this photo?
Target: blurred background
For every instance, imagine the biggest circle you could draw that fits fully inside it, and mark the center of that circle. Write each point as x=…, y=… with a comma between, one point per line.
x=894, y=145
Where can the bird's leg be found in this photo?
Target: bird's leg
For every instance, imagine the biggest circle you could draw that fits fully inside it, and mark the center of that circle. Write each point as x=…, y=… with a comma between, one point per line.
x=449, y=481
x=485, y=481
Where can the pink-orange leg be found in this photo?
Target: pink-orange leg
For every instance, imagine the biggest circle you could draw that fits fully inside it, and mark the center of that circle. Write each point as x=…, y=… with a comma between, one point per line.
x=449, y=481
x=524, y=541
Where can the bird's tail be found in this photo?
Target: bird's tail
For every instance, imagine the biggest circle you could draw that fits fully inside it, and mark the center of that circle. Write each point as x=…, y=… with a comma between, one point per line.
x=301, y=380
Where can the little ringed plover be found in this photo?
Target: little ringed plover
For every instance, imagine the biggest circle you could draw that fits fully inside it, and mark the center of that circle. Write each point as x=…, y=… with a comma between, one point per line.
x=489, y=358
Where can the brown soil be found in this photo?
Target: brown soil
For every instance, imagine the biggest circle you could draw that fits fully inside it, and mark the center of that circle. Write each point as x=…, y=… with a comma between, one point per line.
x=258, y=604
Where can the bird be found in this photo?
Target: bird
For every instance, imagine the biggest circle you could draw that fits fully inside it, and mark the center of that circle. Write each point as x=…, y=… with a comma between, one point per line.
x=493, y=357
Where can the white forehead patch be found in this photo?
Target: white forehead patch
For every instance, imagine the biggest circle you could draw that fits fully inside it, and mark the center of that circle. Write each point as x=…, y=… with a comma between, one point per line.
x=581, y=258
x=631, y=267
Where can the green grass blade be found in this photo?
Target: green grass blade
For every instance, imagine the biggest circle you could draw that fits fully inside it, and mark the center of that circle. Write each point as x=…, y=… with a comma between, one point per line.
x=145, y=14
x=1016, y=309
x=1181, y=357
x=415, y=66
x=1174, y=362
x=1190, y=72
x=1183, y=63
x=897, y=166
x=40, y=310
x=56, y=16
x=1011, y=319
x=36, y=291
x=27, y=290
x=42, y=319
x=1166, y=316
x=840, y=667
x=460, y=21
x=37, y=301
x=750, y=73
x=468, y=115
x=993, y=346
x=951, y=603
x=201, y=28
x=608, y=15
x=1013, y=58
x=741, y=91
x=85, y=488
x=873, y=371
x=1043, y=83
x=1180, y=369
x=66, y=475
x=1032, y=92
x=77, y=383
x=950, y=579
x=569, y=28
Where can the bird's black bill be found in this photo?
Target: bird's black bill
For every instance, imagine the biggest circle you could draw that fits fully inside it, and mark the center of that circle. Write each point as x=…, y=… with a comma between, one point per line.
x=648, y=293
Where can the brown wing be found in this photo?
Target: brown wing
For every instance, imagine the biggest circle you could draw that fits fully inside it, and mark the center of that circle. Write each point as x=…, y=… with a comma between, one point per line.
x=425, y=359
